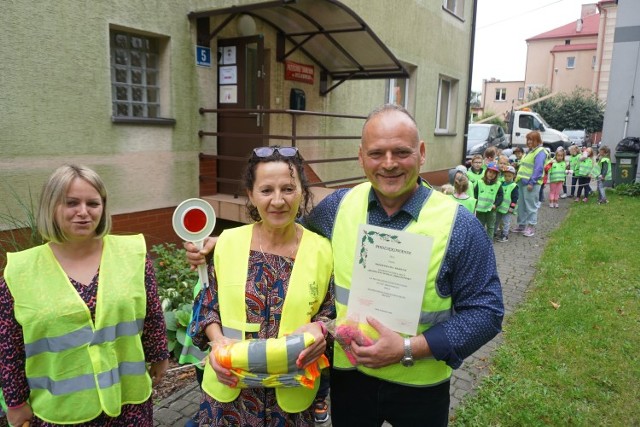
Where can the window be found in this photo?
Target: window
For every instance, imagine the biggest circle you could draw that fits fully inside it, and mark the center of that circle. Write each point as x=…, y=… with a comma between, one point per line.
x=135, y=75
x=520, y=93
x=593, y=62
x=571, y=62
x=501, y=94
x=445, y=113
x=454, y=6
x=396, y=92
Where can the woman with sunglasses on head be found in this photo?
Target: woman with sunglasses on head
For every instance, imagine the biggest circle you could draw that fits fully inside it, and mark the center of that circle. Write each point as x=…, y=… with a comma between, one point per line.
x=282, y=273
x=80, y=318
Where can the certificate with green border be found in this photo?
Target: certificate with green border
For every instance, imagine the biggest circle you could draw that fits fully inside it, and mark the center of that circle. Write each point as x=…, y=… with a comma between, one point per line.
x=389, y=276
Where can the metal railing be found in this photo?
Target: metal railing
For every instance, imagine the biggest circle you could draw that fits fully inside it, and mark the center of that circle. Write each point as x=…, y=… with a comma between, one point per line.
x=294, y=137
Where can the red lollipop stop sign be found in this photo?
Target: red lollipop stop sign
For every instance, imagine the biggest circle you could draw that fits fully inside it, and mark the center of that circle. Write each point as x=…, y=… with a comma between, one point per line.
x=194, y=220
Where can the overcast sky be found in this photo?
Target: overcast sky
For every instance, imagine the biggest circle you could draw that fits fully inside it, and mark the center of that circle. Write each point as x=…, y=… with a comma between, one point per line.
x=504, y=25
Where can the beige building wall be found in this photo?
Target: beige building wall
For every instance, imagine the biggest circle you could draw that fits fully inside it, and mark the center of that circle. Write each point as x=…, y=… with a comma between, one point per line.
x=437, y=45
x=604, y=53
x=542, y=64
x=498, y=97
x=56, y=102
x=56, y=94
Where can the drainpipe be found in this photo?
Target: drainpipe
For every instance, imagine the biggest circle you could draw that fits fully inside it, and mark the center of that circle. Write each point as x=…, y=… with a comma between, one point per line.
x=470, y=74
x=553, y=70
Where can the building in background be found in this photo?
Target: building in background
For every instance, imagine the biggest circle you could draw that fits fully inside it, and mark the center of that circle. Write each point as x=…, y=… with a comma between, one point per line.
x=498, y=96
x=167, y=99
x=577, y=54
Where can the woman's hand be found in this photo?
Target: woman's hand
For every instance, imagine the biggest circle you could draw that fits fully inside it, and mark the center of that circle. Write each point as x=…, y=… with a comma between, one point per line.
x=157, y=371
x=315, y=350
x=19, y=416
x=224, y=375
x=196, y=257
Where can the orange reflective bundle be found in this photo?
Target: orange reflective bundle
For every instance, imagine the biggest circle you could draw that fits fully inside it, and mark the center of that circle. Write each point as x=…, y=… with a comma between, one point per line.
x=270, y=362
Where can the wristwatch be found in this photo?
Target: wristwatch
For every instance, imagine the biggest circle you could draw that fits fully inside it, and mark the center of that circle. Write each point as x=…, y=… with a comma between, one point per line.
x=407, y=359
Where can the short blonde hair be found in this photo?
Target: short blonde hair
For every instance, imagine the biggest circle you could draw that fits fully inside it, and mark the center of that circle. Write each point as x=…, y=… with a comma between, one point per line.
x=53, y=194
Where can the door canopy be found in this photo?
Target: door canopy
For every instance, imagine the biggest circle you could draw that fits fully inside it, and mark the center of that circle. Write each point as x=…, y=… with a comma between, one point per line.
x=329, y=33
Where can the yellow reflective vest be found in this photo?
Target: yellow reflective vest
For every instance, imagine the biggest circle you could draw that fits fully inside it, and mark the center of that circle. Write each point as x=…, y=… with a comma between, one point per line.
x=77, y=368
x=525, y=171
x=436, y=220
x=308, y=286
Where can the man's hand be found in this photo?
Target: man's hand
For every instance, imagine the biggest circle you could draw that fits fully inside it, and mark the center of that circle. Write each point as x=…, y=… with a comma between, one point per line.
x=529, y=187
x=197, y=257
x=20, y=416
x=387, y=350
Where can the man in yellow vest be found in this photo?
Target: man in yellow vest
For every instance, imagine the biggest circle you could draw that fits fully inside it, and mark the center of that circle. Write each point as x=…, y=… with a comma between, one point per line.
x=405, y=379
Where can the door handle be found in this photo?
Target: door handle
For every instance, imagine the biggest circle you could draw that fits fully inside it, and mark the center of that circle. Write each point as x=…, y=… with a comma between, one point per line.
x=258, y=118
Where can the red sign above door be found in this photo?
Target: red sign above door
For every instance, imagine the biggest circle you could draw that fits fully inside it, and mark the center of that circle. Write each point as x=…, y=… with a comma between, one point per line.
x=298, y=72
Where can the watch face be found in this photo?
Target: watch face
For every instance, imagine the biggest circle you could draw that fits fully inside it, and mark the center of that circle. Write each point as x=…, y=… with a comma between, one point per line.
x=407, y=361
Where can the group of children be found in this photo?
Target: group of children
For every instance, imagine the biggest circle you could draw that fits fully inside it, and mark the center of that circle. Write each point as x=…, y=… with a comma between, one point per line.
x=488, y=188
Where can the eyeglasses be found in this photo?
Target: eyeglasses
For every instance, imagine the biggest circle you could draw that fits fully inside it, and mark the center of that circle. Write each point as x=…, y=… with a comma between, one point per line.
x=268, y=151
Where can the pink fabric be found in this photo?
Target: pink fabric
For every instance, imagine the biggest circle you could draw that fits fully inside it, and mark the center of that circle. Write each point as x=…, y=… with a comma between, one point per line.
x=554, y=190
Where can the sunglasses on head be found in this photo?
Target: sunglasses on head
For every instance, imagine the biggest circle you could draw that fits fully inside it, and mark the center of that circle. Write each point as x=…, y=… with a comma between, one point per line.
x=268, y=151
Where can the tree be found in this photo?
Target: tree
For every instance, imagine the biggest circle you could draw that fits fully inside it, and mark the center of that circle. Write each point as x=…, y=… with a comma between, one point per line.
x=581, y=109
x=495, y=121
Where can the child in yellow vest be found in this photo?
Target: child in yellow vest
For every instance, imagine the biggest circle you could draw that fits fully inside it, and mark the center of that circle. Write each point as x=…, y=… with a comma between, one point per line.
x=557, y=175
x=488, y=192
x=508, y=206
x=603, y=170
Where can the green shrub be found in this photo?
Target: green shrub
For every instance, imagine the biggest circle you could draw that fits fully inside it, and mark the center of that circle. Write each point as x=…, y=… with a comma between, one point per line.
x=632, y=190
x=21, y=232
x=175, y=289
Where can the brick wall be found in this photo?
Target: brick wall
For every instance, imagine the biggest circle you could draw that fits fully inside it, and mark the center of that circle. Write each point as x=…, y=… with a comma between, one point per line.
x=208, y=174
x=154, y=224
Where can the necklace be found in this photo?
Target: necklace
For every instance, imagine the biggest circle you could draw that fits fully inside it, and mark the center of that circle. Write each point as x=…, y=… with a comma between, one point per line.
x=293, y=250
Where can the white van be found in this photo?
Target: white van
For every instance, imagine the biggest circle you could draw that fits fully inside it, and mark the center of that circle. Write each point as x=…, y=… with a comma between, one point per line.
x=522, y=122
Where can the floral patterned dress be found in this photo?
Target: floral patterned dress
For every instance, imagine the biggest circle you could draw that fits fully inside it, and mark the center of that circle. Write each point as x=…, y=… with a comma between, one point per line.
x=267, y=284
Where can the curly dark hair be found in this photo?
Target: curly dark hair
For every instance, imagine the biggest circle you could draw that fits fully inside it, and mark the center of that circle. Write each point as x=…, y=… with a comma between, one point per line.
x=249, y=178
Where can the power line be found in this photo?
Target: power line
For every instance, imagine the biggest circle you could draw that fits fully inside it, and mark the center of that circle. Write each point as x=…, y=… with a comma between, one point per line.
x=519, y=14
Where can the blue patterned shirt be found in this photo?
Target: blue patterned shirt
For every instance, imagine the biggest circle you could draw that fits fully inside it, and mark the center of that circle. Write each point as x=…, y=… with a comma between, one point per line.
x=468, y=273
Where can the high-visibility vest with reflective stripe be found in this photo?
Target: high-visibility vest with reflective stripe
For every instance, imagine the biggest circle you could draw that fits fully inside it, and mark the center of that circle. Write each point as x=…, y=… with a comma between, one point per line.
x=526, y=166
x=599, y=168
x=308, y=286
x=585, y=167
x=507, y=189
x=487, y=195
x=436, y=219
x=557, y=173
x=469, y=202
x=77, y=368
x=474, y=177
x=574, y=162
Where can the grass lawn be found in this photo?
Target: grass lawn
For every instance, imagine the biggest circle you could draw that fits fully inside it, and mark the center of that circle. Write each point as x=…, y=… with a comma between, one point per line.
x=571, y=351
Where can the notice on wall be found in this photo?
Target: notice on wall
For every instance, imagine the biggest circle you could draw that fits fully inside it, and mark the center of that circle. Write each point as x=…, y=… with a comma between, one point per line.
x=229, y=55
x=298, y=72
x=228, y=75
x=228, y=94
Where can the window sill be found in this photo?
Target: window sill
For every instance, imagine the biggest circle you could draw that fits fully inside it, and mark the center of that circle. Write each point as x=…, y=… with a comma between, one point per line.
x=444, y=133
x=143, y=121
x=452, y=13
